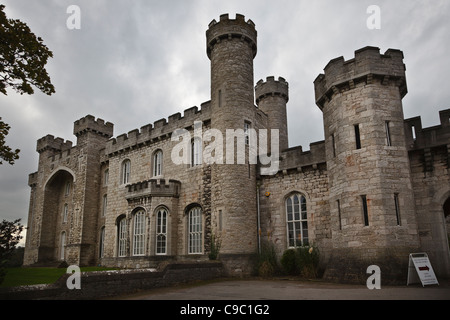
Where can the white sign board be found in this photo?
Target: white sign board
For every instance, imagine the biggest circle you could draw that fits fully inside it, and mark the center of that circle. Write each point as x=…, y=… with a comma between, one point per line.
x=420, y=269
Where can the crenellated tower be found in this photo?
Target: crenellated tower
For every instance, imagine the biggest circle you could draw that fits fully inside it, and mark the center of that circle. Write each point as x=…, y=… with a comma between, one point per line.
x=371, y=198
x=271, y=97
x=231, y=47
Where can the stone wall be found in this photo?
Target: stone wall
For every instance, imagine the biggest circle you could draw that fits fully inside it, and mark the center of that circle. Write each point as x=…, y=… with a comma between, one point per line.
x=102, y=284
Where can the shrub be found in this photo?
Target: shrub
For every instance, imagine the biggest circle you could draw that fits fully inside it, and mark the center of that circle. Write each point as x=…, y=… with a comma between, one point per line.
x=266, y=260
x=302, y=261
x=289, y=262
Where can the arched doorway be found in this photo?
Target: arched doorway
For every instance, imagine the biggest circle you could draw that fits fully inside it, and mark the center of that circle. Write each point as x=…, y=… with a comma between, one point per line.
x=56, y=215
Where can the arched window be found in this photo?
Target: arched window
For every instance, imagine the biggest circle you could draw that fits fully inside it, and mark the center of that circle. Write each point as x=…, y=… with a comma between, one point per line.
x=195, y=245
x=62, y=245
x=157, y=163
x=101, y=248
x=196, y=152
x=139, y=233
x=125, y=172
x=297, y=222
x=161, y=231
x=122, y=237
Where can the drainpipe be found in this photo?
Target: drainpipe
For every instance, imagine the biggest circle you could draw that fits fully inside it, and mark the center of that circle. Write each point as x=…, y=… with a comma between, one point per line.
x=259, y=219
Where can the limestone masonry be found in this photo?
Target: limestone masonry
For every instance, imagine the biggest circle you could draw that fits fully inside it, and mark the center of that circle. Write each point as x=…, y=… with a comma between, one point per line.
x=376, y=189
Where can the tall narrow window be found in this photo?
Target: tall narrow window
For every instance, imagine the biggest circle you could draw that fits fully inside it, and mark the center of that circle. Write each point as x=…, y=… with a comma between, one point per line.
x=62, y=246
x=195, y=231
x=139, y=233
x=338, y=203
x=333, y=145
x=67, y=188
x=297, y=222
x=106, y=177
x=101, y=248
x=357, y=137
x=65, y=213
x=220, y=98
x=105, y=205
x=388, y=134
x=365, y=210
x=161, y=232
x=413, y=132
x=397, y=209
x=247, y=132
x=122, y=238
x=196, y=152
x=126, y=171
x=157, y=163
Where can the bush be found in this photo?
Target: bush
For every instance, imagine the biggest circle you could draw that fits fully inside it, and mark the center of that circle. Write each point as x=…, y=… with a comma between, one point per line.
x=302, y=261
x=289, y=262
x=266, y=260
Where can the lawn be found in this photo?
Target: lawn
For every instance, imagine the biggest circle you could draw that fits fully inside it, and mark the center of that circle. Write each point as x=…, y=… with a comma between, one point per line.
x=27, y=276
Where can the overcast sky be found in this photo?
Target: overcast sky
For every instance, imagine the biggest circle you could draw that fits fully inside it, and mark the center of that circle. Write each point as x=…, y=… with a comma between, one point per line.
x=135, y=62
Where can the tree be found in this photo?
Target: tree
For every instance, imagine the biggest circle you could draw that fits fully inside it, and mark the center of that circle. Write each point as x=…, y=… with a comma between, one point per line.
x=6, y=153
x=22, y=65
x=9, y=238
x=22, y=58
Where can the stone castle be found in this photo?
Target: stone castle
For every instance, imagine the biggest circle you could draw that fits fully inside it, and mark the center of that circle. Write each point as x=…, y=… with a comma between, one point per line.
x=376, y=189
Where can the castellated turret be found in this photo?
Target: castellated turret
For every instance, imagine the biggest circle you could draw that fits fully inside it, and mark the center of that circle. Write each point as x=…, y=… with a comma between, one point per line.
x=231, y=47
x=271, y=97
x=371, y=197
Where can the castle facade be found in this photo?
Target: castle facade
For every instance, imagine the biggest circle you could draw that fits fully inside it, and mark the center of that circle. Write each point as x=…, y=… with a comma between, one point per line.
x=376, y=189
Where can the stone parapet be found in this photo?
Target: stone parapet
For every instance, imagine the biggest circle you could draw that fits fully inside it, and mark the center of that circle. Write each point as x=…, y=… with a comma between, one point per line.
x=272, y=87
x=88, y=123
x=228, y=28
x=153, y=187
x=420, y=138
x=159, y=130
x=367, y=65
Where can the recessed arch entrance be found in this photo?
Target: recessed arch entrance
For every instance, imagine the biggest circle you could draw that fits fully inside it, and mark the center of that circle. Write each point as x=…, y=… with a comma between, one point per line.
x=57, y=210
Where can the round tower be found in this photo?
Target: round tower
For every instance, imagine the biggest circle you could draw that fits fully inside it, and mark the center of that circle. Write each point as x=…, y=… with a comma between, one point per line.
x=371, y=199
x=231, y=47
x=272, y=97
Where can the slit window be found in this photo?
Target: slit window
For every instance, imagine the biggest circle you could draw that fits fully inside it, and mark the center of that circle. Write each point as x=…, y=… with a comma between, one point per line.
x=388, y=134
x=397, y=209
x=365, y=211
x=357, y=137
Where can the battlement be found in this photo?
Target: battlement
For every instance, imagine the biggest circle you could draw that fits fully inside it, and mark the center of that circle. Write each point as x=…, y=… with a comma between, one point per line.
x=160, y=129
x=272, y=87
x=421, y=138
x=294, y=159
x=367, y=65
x=51, y=143
x=228, y=28
x=154, y=188
x=88, y=123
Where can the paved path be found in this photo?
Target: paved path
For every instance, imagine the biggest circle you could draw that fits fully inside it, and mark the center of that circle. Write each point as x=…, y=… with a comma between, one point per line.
x=292, y=290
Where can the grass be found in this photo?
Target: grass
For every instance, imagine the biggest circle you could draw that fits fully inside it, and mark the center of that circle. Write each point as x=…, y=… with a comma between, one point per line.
x=29, y=276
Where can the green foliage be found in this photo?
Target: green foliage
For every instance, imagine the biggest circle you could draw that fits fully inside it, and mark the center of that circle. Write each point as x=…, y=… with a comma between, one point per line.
x=302, y=261
x=9, y=238
x=22, y=58
x=30, y=276
x=6, y=153
x=215, y=248
x=266, y=260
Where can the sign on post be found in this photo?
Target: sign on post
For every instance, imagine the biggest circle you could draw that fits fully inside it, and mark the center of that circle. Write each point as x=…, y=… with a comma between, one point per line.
x=420, y=268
